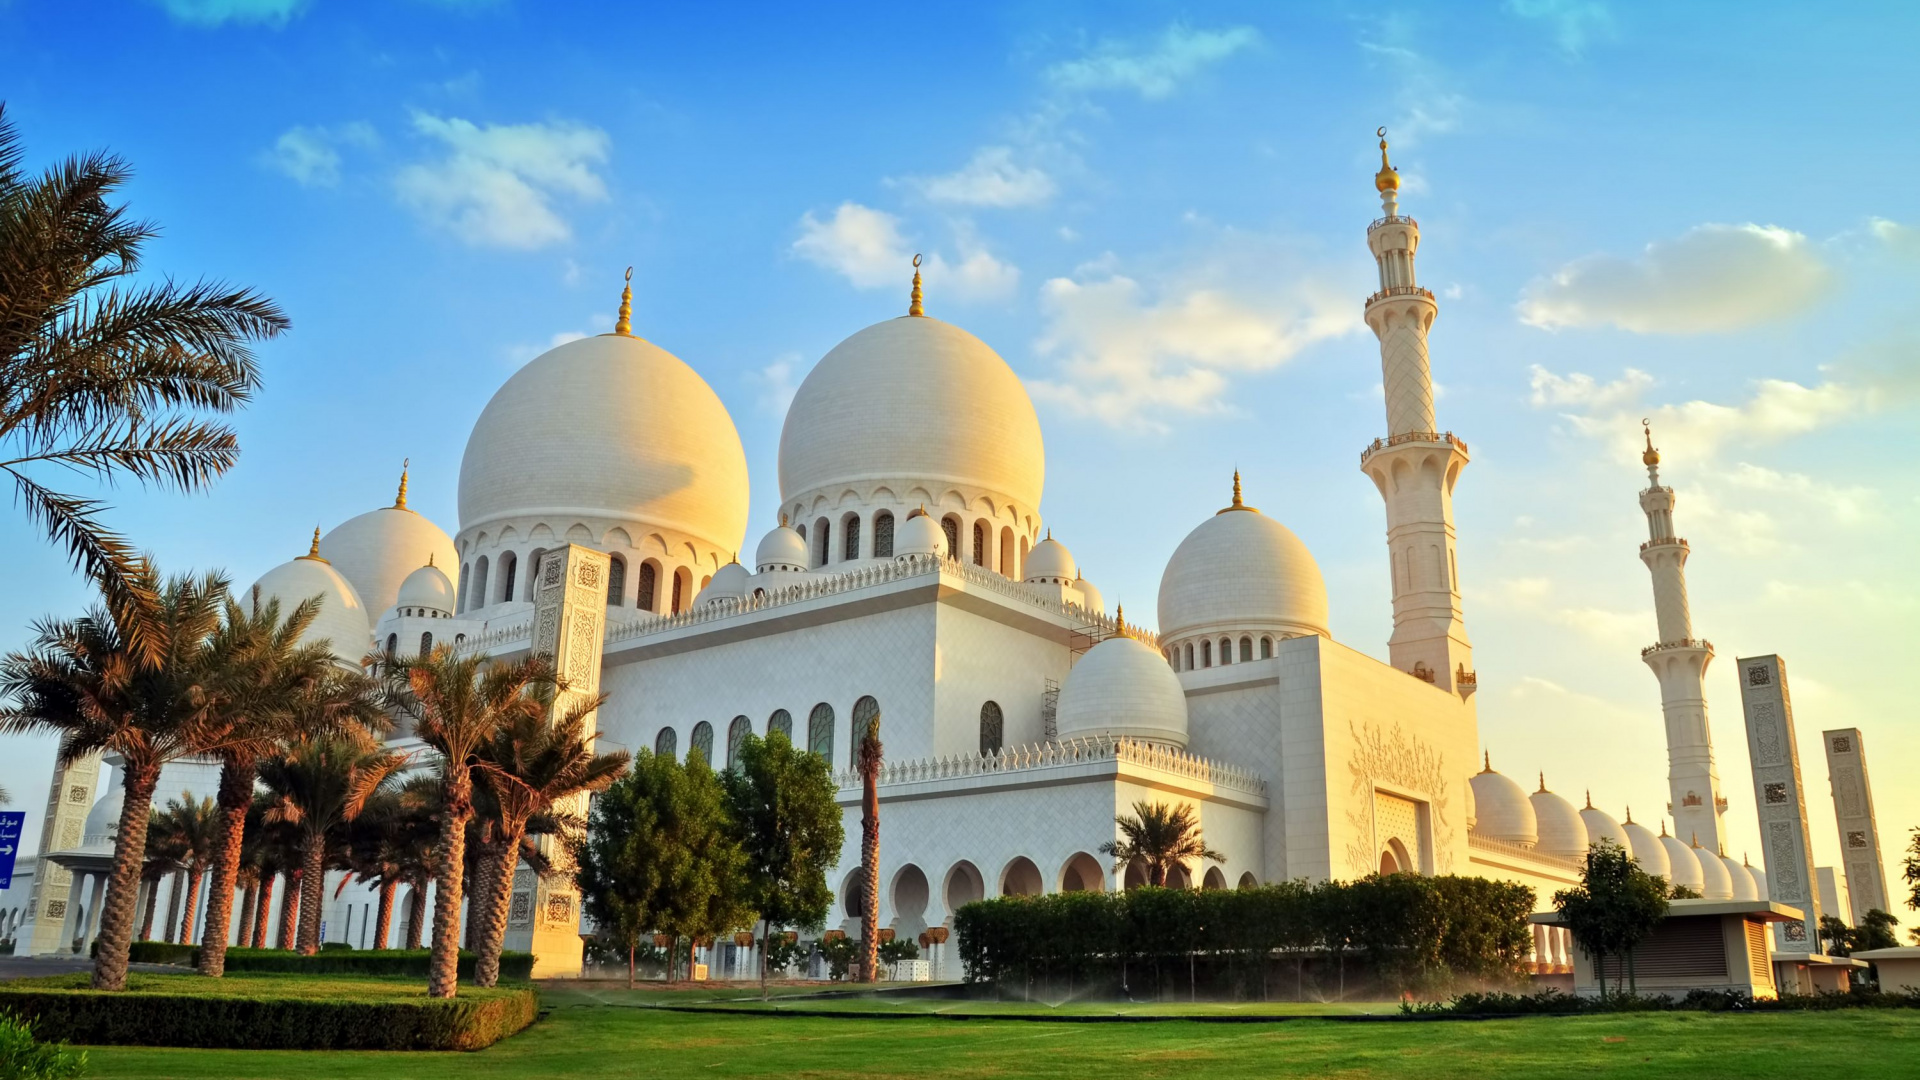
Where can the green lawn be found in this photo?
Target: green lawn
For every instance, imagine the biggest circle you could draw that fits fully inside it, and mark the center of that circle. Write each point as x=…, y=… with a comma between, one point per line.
x=602, y=1032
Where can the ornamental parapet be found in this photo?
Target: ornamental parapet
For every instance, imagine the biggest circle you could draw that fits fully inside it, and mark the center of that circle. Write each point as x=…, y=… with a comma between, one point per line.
x=1404, y=437
x=1521, y=851
x=1682, y=645
x=1665, y=541
x=1392, y=291
x=1392, y=219
x=1035, y=756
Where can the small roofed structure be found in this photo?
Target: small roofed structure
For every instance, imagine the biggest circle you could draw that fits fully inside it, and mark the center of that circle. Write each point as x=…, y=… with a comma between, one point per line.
x=1899, y=967
x=1700, y=945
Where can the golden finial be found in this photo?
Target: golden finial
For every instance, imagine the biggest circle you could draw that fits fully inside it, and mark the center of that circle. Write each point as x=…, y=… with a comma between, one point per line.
x=1543, y=781
x=400, y=500
x=1629, y=815
x=913, y=306
x=1652, y=456
x=1696, y=839
x=1120, y=619
x=1589, y=798
x=1388, y=178
x=429, y=558
x=1663, y=828
x=1237, y=503
x=624, y=324
x=783, y=519
x=313, y=552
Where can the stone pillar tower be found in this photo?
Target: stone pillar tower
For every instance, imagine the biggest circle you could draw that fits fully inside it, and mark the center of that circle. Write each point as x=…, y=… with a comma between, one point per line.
x=569, y=628
x=1679, y=661
x=70, y=796
x=1414, y=467
x=1859, y=829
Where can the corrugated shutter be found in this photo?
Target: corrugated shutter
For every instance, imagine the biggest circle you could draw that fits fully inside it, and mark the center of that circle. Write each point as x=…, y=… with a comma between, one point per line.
x=1688, y=947
x=1757, y=952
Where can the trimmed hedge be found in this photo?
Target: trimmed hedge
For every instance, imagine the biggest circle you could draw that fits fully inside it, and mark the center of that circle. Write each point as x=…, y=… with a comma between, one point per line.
x=1554, y=1003
x=412, y=963
x=253, y=1016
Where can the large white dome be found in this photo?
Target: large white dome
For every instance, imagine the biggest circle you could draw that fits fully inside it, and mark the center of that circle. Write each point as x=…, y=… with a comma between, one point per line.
x=1602, y=826
x=1744, y=887
x=1501, y=810
x=378, y=549
x=1123, y=688
x=1647, y=849
x=1242, y=570
x=342, y=621
x=913, y=402
x=612, y=428
x=1683, y=865
x=1717, y=883
x=1562, y=832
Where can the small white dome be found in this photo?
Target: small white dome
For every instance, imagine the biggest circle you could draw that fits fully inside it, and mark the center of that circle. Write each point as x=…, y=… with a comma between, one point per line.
x=1050, y=561
x=1562, y=832
x=914, y=402
x=1502, y=810
x=378, y=549
x=729, y=583
x=1762, y=891
x=781, y=549
x=1123, y=688
x=1717, y=884
x=1090, y=597
x=342, y=621
x=429, y=588
x=919, y=535
x=1744, y=887
x=103, y=821
x=1684, y=867
x=610, y=427
x=1242, y=570
x=1602, y=826
x=1647, y=849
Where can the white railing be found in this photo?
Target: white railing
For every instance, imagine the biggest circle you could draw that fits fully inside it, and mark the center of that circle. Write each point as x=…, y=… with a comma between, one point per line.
x=1521, y=851
x=487, y=639
x=1072, y=752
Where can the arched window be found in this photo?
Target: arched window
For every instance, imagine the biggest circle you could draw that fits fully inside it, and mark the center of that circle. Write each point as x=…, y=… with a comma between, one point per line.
x=1206, y=654
x=1007, y=566
x=459, y=640
x=1440, y=567
x=679, y=590
x=480, y=582
x=737, y=733
x=850, y=538
x=533, y=571
x=1226, y=650
x=509, y=564
x=820, y=731
x=702, y=742
x=1266, y=647
x=393, y=645
x=426, y=644
x=466, y=571
x=1453, y=565
x=979, y=544
x=865, y=711
x=666, y=744
x=993, y=728
x=822, y=542
x=951, y=526
x=616, y=582
x=883, y=535
x=1246, y=649
x=649, y=586
x=1020, y=571
x=1189, y=666
x=781, y=722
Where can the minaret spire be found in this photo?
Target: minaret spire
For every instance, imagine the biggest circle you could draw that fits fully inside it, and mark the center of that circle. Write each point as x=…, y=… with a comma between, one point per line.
x=1679, y=661
x=623, y=325
x=913, y=303
x=1415, y=466
x=400, y=500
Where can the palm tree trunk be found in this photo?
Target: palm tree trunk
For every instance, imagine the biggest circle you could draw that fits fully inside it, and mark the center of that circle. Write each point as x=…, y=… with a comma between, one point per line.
x=191, y=906
x=443, y=968
x=146, y=916
x=262, y=910
x=383, y=915
x=236, y=795
x=173, y=906
x=313, y=881
x=246, y=919
x=129, y=851
x=493, y=914
x=870, y=872
x=290, y=908
x=416, y=915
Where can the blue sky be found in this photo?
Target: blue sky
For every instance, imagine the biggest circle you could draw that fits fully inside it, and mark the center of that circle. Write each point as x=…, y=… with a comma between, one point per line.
x=1157, y=214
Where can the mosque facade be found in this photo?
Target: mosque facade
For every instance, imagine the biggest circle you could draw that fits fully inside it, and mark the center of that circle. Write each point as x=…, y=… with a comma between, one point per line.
x=911, y=577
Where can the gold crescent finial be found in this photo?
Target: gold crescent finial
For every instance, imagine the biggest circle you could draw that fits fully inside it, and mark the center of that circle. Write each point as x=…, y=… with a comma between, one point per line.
x=914, y=306
x=313, y=550
x=400, y=499
x=1651, y=457
x=1388, y=178
x=1486, y=761
x=624, y=324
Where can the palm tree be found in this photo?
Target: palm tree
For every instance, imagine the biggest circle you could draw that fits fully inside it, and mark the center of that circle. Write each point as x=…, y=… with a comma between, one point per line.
x=163, y=854
x=867, y=759
x=1162, y=837
x=530, y=767
x=262, y=672
x=319, y=784
x=106, y=378
x=86, y=680
x=391, y=844
x=190, y=828
x=456, y=703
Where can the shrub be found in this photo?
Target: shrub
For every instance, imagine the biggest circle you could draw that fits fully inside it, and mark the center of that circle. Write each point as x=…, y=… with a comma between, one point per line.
x=266, y=1014
x=411, y=963
x=892, y=952
x=162, y=952
x=24, y=1058
x=1554, y=1002
x=339, y=946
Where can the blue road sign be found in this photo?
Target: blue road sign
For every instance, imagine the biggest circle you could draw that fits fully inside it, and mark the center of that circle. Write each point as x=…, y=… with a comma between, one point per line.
x=11, y=822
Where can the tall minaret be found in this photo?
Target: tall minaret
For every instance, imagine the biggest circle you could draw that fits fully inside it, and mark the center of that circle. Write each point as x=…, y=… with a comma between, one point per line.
x=1679, y=661
x=1415, y=467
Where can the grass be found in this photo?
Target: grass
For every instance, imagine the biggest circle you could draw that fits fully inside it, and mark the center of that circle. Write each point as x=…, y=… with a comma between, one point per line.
x=604, y=1031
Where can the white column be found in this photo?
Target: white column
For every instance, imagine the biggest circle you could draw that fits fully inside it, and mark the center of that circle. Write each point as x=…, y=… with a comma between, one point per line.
x=93, y=910
x=76, y=884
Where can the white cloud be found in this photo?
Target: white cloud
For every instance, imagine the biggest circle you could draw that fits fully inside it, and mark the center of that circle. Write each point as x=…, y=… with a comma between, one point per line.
x=1583, y=391
x=497, y=184
x=1840, y=504
x=520, y=354
x=991, y=178
x=309, y=154
x=778, y=382
x=1573, y=23
x=1157, y=70
x=1129, y=361
x=1710, y=278
x=1904, y=239
x=867, y=247
x=219, y=12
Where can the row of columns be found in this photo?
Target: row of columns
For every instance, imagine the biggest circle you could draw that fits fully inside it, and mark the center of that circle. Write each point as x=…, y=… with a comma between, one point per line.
x=1552, y=950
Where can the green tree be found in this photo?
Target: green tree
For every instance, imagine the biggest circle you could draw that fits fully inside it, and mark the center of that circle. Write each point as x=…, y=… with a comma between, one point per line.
x=1837, y=934
x=622, y=859
x=189, y=828
x=86, y=681
x=391, y=844
x=1162, y=836
x=1910, y=869
x=704, y=894
x=1614, y=908
x=107, y=378
x=319, y=785
x=787, y=820
x=1875, y=931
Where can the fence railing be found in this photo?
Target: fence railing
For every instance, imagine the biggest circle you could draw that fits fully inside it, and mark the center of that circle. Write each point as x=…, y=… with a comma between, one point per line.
x=1071, y=752
x=1521, y=851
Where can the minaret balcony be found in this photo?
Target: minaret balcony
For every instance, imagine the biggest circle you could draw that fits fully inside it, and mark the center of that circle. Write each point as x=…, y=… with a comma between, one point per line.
x=1405, y=437
x=1682, y=645
x=1392, y=291
x=1665, y=541
x=1392, y=219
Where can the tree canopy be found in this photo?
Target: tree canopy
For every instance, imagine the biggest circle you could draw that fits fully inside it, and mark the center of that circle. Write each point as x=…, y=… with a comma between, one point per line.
x=1614, y=908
